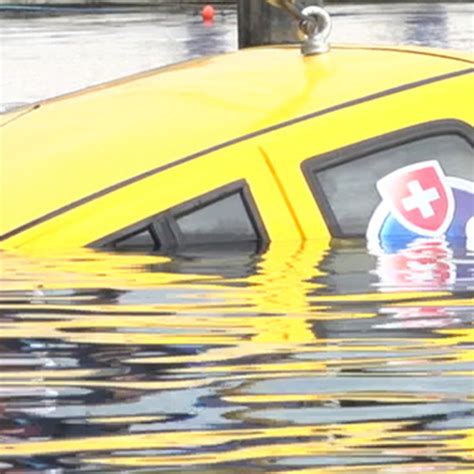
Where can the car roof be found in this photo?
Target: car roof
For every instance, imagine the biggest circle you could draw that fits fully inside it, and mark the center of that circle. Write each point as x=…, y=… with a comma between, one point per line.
x=62, y=150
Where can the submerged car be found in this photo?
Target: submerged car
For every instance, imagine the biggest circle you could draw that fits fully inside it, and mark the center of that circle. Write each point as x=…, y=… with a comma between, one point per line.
x=259, y=145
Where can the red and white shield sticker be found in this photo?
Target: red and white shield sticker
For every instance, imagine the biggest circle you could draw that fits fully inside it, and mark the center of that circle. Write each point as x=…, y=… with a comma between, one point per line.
x=419, y=197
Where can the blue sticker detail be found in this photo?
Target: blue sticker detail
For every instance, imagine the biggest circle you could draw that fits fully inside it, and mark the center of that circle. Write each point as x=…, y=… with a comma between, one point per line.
x=393, y=236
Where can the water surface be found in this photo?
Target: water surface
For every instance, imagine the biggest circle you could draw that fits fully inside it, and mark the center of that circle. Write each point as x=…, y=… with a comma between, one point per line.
x=45, y=55
x=303, y=359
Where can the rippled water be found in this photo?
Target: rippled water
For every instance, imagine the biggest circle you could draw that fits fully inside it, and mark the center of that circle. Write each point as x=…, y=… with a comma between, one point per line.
x=303, y=359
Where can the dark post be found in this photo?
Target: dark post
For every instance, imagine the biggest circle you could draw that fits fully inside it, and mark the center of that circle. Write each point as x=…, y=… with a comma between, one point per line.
x=260, y=23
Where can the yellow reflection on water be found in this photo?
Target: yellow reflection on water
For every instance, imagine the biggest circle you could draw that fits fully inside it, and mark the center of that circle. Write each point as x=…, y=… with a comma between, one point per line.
x=291, y=359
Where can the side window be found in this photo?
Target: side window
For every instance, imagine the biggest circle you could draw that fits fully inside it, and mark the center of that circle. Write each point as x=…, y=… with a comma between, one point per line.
x=225, y=220
x=225, y=215
x=349, y=184
x=139, y=239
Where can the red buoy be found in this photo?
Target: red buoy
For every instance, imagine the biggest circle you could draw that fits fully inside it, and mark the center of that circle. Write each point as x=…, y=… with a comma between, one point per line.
x=207, y=13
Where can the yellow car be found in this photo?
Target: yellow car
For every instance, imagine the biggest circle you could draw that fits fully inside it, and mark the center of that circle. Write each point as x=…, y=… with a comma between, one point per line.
x=255, y=146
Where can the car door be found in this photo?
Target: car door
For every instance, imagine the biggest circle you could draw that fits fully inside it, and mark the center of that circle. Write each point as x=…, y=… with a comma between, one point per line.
x=333, y=163
x=184, y=202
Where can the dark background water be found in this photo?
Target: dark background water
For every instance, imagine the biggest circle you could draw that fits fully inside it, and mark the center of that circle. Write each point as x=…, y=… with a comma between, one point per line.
x=307, y=358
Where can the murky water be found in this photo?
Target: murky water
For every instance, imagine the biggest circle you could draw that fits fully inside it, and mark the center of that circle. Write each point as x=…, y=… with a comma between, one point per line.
x=303, y=359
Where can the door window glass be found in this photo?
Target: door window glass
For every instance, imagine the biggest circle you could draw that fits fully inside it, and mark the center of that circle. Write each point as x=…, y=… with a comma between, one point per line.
x=347, y=189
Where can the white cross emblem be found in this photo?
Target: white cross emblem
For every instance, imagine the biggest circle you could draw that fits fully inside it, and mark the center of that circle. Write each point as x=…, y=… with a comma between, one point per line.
x=420, y=199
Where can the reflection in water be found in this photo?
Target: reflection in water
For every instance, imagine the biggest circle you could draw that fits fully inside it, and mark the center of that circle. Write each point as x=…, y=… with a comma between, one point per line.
x=428, y=27
x=301, y=359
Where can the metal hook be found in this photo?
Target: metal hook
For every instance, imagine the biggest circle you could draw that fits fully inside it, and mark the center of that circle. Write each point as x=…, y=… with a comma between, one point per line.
x=316, y=27
x=314, y=22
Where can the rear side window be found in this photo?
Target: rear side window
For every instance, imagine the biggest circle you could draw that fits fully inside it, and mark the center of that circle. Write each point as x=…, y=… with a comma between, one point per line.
x=345, y=183
x=142, y=238
x=225, y=215
x=224, y=220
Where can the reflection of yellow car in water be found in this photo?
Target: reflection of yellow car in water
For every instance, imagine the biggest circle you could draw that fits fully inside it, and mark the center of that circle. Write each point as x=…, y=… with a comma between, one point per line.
x=275, y=324
x=263, y=144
